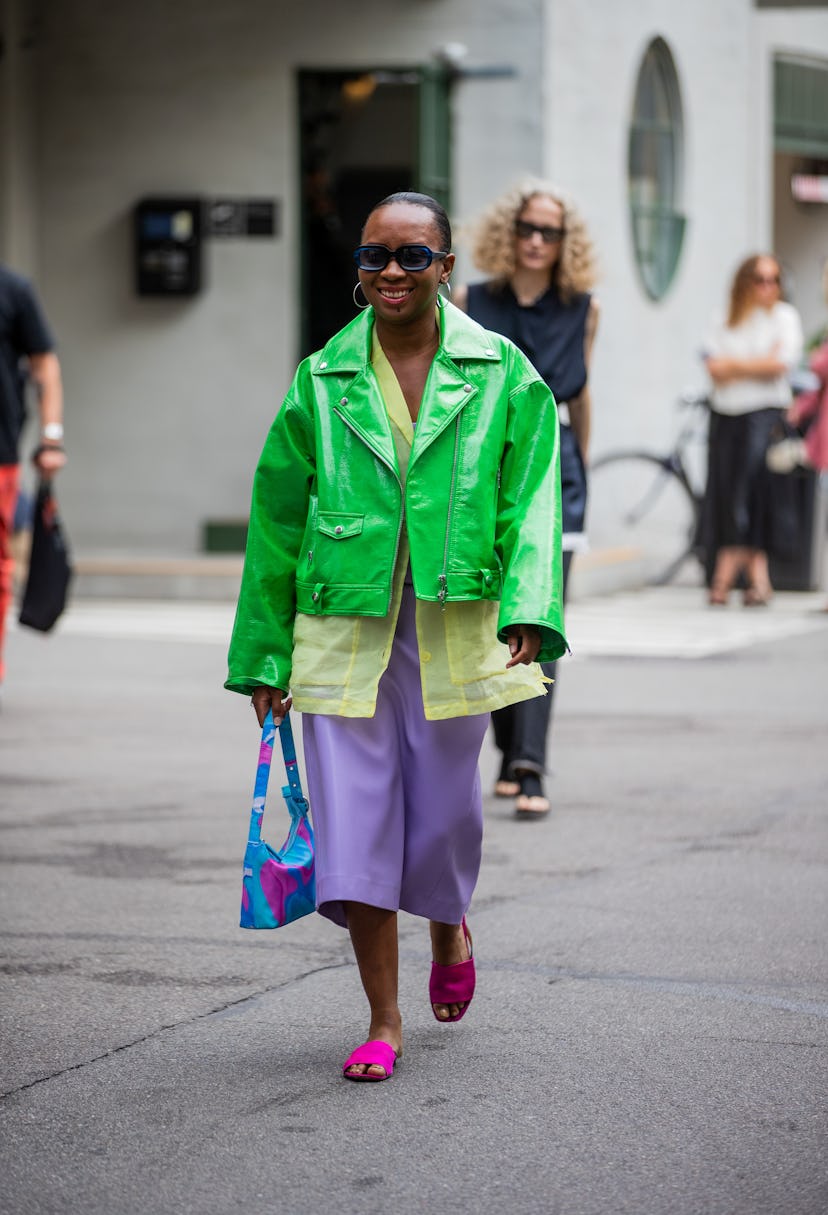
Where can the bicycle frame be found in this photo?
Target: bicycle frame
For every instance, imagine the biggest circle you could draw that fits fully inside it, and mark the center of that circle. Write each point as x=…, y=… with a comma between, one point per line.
x=658, y=523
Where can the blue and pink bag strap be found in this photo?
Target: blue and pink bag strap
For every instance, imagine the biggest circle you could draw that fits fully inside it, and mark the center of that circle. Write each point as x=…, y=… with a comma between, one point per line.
x=292, y=791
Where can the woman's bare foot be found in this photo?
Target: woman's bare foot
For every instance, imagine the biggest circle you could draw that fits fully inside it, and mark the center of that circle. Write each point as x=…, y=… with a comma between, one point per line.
x=448, y=947
x=759, y=591
x=730, y=562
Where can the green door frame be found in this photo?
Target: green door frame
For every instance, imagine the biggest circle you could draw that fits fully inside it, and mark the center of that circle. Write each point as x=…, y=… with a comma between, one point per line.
x=435, y=133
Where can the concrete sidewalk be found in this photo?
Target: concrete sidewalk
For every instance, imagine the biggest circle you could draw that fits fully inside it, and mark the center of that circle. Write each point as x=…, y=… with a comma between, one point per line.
x=650, y=1029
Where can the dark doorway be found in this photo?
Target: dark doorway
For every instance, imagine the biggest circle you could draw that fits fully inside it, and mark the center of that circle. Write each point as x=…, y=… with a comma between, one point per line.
x=362, y=136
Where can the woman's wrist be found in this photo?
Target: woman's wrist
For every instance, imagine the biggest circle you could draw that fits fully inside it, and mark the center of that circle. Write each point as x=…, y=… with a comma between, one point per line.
x=45, y=449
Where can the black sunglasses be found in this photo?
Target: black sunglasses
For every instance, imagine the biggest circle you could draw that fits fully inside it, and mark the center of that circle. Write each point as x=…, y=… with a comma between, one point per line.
x=407, y=257
x=549, y=236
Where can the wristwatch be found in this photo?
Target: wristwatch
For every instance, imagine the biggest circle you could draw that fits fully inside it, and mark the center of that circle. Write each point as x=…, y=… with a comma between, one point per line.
x=52, y=432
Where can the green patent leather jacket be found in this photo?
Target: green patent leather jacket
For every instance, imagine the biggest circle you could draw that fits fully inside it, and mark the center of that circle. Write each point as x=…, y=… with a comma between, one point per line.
x=481, y=499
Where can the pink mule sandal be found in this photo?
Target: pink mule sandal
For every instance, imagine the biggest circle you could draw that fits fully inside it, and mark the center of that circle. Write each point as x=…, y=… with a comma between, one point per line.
x=453, y=984
x=372, y=1053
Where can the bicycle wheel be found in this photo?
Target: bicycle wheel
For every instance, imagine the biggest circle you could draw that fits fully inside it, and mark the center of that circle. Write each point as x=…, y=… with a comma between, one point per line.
x=641, y=513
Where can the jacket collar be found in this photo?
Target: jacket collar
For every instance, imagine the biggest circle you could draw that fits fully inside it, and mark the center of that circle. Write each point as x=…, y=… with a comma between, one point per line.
x=350, y=349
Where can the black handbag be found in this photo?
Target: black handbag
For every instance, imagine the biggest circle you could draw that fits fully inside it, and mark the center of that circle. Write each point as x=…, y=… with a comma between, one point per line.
x=50, y=570
x=782, y=493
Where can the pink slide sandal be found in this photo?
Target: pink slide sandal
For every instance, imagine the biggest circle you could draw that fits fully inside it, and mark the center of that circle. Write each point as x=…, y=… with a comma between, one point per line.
x=453, y=984
x=372, y=1053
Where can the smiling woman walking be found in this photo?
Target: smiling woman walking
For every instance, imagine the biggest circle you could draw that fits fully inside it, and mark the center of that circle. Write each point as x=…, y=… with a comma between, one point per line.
x=402, y=577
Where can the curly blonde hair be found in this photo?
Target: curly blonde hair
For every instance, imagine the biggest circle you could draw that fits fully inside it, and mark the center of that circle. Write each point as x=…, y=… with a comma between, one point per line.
x=492, y=239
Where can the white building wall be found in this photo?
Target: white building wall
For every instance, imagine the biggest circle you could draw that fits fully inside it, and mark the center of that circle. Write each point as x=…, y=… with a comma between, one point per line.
x=647, y=352
x=160, y=394
x=168, y=401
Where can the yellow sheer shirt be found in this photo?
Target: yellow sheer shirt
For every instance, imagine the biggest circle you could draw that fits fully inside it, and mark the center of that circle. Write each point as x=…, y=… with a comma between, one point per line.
x=338, y=660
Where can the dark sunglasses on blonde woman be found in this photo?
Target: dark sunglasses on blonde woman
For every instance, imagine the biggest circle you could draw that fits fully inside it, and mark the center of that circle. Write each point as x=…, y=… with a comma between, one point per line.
x=549, y=236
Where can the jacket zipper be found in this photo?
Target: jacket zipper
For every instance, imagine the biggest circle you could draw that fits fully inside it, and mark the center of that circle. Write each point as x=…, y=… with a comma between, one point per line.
x=443, y=578
x=396, y=551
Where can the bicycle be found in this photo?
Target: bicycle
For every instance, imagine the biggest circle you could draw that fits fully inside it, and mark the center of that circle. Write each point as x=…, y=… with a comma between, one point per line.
x=644, y=507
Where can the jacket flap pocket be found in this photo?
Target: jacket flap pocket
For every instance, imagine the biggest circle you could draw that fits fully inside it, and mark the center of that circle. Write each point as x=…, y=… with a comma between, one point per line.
x=333, y=523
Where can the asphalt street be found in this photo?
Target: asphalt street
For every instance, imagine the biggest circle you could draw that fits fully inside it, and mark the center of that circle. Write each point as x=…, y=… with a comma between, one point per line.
x=650, y=1027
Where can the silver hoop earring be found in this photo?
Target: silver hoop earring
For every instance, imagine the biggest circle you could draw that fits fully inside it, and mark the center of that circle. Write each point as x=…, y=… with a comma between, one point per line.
x=447, y=286
x=357, y=304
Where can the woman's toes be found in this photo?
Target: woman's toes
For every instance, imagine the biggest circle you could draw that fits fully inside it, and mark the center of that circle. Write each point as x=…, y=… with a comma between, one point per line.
x=443, y=1012
x=372, y=1069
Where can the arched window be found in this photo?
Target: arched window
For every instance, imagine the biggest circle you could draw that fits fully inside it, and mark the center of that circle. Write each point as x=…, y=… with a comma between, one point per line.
x=655, y=169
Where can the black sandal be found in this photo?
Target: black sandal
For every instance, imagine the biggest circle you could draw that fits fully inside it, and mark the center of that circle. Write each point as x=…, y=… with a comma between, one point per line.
x=506, y=785
x=532, y=801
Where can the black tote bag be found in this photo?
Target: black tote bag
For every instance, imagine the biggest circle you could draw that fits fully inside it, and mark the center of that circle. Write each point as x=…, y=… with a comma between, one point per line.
x=50, y=569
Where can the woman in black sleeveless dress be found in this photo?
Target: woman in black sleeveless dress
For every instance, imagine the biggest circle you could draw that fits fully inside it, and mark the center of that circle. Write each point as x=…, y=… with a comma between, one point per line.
x=535, y=248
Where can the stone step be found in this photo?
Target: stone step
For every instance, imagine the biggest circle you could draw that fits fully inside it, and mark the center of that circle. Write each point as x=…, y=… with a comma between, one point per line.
x=127, y=576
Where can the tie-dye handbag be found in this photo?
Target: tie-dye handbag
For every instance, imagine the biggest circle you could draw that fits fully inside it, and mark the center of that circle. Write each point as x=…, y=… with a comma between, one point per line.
x=278, y=887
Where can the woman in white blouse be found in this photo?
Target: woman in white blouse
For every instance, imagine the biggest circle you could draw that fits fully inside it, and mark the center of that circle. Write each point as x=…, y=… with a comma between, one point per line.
x=749, y=356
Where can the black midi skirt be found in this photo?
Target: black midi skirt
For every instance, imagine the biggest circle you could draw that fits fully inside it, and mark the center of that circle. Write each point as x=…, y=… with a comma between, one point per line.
x=741, y=506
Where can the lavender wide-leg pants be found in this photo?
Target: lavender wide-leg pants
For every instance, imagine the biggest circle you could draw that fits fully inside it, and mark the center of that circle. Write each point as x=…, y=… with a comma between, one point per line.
x=395, y=799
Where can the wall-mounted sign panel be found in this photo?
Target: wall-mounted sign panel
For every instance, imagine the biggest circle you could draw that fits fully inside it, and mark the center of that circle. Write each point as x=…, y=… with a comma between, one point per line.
x=242, y=217
x=167, y=234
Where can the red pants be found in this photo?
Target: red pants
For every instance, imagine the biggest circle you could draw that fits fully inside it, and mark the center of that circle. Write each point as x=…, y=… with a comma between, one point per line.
x=9, y=481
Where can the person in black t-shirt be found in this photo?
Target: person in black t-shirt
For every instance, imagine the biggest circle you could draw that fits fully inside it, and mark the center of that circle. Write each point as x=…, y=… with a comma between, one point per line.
x=26, y=353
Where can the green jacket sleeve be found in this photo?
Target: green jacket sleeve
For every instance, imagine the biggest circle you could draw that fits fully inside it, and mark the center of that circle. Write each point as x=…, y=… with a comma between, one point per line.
x=261, y=647
x=528, y=526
